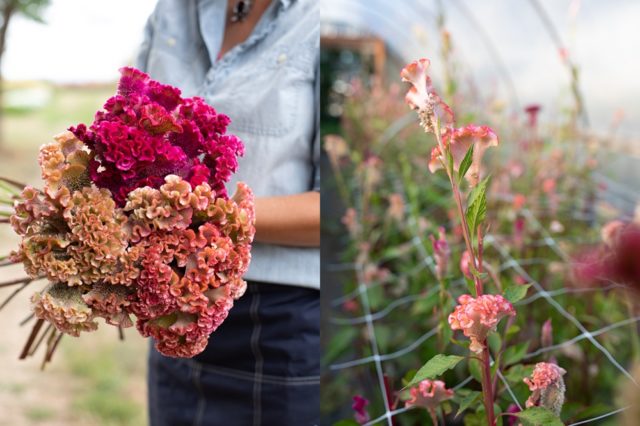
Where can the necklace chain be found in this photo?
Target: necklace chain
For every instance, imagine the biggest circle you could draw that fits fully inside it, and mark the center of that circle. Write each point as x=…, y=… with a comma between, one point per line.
x=241, y=10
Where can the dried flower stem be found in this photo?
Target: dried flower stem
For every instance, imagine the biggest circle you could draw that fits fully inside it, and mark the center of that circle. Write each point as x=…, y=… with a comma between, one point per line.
x=13, y=183
x=12, y=295
x=34, y=332
x=34, y=348
x=16, y=281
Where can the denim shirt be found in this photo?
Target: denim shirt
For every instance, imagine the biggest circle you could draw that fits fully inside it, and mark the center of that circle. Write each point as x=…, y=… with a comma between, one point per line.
x=268, y=86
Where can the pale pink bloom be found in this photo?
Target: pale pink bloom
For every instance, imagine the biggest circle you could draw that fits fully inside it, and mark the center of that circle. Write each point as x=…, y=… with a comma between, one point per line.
x=396, y=207
x=359, y=407
x=441, y=252
x=429, y=394
x=519, y=201
x=549, y=185
x=556, y=227
x=422, y=97
x=518, y=232
x=336, y=148
x=611, y=232
x=465, y=264
x=459, y=141
x=350, y=221
x=547, y=387
x=477, y=317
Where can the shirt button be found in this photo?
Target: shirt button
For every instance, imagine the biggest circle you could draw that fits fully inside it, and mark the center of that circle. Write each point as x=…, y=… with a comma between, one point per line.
x=282, y=58
x=171, y=41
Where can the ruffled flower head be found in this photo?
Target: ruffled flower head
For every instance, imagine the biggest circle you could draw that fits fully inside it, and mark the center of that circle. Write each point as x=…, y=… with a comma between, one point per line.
x=477, y=317
x=547, y=386
x=459, y=141
x=429, y=394
x=147, y=131
x=64, y=307
x=423, y=98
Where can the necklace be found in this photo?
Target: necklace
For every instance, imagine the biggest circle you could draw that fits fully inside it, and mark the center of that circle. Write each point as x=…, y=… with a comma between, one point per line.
x=241, y=10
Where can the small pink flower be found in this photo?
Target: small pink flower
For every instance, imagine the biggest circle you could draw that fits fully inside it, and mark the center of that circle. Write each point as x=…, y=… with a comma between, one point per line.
x=546, y=337
x=459, y=141
x=547, y=386
x=477, y=317
x=360, y=409
x=396, y=207
x=465, y=264
x=422, y=97
x=611, y=232
x=441, y=252
x=429, y=394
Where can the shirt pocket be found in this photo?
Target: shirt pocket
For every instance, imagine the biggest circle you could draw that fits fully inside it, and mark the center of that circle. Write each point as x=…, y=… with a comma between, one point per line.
x=267, y=96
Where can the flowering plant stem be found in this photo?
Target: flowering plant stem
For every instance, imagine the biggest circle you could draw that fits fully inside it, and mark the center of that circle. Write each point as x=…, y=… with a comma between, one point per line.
x=476, y=264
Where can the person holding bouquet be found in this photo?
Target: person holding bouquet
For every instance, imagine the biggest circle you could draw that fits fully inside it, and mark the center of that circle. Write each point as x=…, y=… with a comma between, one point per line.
x=256, y=60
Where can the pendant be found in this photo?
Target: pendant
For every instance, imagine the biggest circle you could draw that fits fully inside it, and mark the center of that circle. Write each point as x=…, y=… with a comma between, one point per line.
x=241, y=10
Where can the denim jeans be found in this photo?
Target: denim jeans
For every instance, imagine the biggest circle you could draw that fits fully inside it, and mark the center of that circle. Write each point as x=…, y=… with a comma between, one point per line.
x=261, y=366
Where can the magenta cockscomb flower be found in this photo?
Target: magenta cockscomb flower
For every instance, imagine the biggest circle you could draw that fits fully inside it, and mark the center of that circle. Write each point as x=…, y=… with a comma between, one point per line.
x=547, y=386
x=441, y=252
x=359, y=407
x=423, y=98
x=429, y=394
x=532, y=112
x=477, y=317
x=458, y=141
x=147, y=131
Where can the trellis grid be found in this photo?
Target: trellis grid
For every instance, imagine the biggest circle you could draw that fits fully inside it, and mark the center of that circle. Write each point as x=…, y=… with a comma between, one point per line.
x=507, y=263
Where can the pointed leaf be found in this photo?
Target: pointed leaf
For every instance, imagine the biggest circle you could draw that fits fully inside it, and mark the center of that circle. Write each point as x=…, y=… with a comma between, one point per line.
x=516, y=292
x=465, y=164
x=435, y=367
x=467, y=401
x=538, y=416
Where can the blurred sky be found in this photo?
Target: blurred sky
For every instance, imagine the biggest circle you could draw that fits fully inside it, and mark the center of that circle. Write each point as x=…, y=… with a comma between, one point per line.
x=603, y=37
x=81, y=41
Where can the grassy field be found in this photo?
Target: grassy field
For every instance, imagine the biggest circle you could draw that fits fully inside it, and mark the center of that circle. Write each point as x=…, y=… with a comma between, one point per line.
x=94, y=380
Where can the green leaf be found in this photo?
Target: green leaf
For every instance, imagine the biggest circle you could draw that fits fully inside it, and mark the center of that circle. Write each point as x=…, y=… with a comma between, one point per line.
x=435, y=367
x=495, y=342
x=516, y=292
x=477, y=206
x=538, y=416
x=339, y=343
x=349, y=422
x=514, y=354
x=475, y=368
x=466, y=163
x=467, y=401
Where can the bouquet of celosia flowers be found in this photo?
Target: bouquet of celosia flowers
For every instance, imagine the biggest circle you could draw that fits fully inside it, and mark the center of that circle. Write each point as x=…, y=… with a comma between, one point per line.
x=134, y=222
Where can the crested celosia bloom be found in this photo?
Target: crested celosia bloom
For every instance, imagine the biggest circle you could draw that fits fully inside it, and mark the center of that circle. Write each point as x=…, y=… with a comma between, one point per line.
x=359, y=407
x=134, y=220
x=458, y=141
x=147, y=131
x=441, y=252
x=64, y=307
x=422, y=97
x=477, y=317
x=429, y=394
x=547, y=386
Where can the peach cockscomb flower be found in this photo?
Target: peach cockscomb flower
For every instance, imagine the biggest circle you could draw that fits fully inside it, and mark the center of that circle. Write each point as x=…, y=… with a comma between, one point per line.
x=422, y=97
x=547, y=386
x=459, y=141
x=429, y=394
x=477, y=317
